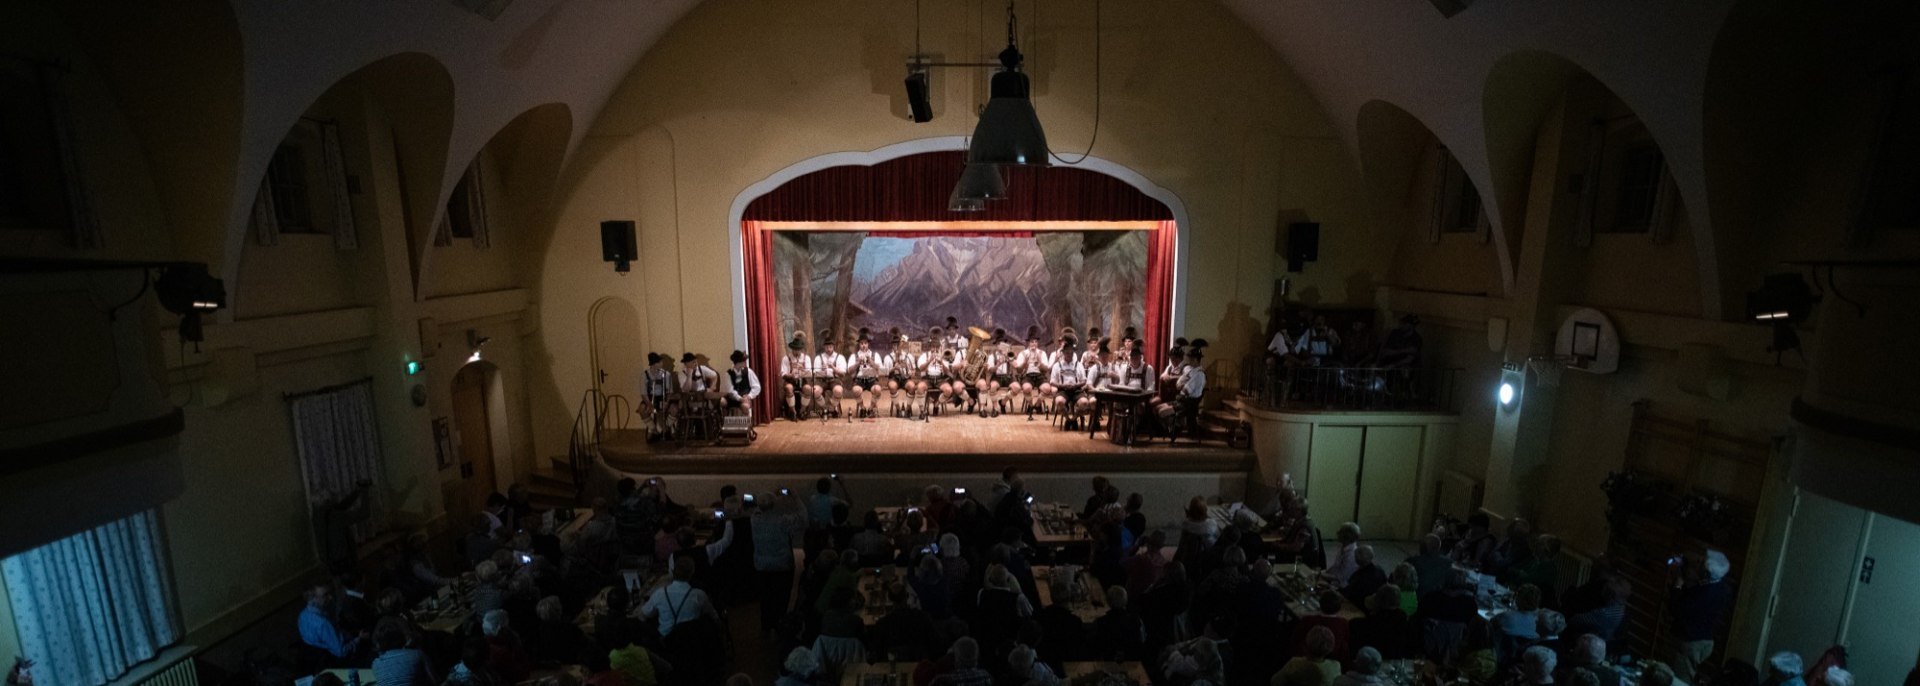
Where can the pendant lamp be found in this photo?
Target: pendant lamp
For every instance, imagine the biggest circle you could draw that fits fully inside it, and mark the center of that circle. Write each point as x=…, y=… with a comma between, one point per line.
x=978, y=184
x=1009, y=130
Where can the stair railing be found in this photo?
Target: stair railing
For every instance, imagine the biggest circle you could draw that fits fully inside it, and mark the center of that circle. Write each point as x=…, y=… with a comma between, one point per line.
x=583, y=447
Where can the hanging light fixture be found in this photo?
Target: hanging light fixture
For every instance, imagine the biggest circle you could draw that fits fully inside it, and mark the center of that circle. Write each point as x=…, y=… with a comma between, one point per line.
x=978, y=184
x=1009, y=130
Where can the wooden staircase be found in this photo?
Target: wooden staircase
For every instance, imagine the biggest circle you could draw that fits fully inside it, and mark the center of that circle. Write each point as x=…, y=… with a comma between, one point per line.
x=552, y=484
x=1227, y=424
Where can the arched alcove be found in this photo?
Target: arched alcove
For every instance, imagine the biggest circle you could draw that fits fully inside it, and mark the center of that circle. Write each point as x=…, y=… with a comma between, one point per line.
x=1440, y=219
x=501, y=191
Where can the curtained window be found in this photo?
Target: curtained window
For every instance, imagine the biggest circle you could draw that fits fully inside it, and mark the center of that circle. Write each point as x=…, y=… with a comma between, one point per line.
x=335, y=434
x=90, y=606
x=42, y=183
x=466, y=216
x=306, y=189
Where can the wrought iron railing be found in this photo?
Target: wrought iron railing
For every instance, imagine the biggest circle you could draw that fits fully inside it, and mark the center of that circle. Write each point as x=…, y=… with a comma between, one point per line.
x=1276, y=386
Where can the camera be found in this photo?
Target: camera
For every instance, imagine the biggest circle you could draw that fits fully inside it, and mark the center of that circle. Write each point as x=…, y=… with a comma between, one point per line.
x=1029, y=498
x=930, y=549
x=719, y=514
x=786, y=491
x=526, y=559
x=835, y=477
x=959, y=490
x=746, y=498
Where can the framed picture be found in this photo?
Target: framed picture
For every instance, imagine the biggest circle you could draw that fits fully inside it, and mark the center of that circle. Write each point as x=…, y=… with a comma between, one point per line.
x=443, y=442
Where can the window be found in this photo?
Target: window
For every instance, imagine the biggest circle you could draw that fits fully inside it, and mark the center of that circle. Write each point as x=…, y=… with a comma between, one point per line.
x=459, y=219
x=90, y=606
x=1468, y=213
x=466, y=212
x=33, y=190
x=287, y=180
x=1457, y=208
x=1638, y=193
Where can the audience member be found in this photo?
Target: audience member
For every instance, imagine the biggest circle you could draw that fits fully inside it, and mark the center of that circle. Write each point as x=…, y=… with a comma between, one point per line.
x=1346, y=561
x=1367, y=576
x=1589, y=652
x=1386, y=627
x=678, y=602
x=932, y=586
x=1198, y=532
x=1475, y=549
x=1314, y=668
x=473, y=668
x=773, y=539
x=1431, y=566
x=556, y=640
x=319, y=629
x=905, y=632
x=801, y=668
x=1407, y=579
x=399, y=664
x=1027, y=670
x=505, y=655
x=1145, y=565
x=1164, y=603
x=1700, y=600
x=1119, y=634
x=1785, y=669
x=1365, y=671
x=1330, y=605
x=966, y=666
x=1136, y=520
x=1536, y=667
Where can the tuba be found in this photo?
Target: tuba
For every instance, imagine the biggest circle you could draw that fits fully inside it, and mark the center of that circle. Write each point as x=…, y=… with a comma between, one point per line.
x=975, y=367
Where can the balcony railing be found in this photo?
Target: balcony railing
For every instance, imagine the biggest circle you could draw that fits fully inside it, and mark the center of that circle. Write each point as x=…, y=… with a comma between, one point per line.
x=1393, y=389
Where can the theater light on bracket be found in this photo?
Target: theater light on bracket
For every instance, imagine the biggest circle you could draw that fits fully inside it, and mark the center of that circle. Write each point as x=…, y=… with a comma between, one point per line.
x=1512, y=375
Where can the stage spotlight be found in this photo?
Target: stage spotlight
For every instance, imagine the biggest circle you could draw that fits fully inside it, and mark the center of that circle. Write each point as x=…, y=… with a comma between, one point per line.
x=189, y=291
x=1506, y=394
x=918, y=99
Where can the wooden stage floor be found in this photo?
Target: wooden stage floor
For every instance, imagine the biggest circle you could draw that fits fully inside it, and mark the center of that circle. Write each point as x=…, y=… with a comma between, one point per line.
x=945, y=444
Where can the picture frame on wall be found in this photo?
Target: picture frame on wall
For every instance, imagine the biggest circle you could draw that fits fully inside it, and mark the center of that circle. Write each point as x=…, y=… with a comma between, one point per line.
x=442, y=442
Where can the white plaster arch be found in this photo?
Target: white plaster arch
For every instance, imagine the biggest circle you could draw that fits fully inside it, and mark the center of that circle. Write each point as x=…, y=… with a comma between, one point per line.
x=735, y=251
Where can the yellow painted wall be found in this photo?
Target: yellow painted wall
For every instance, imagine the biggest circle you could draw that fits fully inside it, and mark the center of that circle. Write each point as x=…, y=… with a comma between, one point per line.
x=738, y=90
x=461, y=267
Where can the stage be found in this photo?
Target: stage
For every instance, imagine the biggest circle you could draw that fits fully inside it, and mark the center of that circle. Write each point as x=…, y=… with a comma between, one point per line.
x=943, y=445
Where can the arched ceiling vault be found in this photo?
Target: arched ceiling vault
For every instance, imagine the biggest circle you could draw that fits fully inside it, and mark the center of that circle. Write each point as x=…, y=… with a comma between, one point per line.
x=575, y=52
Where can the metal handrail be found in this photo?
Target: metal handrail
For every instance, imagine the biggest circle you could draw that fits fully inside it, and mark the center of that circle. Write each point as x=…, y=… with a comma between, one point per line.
x=583, y=447
x=1278, y=387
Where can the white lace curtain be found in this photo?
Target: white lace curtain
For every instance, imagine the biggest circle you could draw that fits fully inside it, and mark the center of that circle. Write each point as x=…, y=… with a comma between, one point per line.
x=92, y=605
x=338, y=440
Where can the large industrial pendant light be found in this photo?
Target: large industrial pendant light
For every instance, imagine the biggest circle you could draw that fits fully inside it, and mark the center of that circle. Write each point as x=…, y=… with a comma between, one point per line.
x=978, y=184
x=1009, y=130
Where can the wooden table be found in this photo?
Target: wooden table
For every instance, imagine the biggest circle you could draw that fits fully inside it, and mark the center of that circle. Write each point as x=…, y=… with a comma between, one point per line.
x=1302, y=589
x=447, y=609
x=1054, y=524
x=1111, y=400
x=873, y=594
x=1134, y=671
x=1088, y=610
x=598, y=605
x=901, y=671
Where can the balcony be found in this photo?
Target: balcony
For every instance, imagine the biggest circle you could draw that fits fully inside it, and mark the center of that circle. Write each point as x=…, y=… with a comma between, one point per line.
x=1271, y=386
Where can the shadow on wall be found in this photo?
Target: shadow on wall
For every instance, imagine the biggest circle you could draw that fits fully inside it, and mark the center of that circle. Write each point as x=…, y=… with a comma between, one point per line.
x=1239, y=335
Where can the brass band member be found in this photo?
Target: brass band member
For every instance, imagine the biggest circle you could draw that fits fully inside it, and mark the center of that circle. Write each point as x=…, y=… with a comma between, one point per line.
x=1164, y=404
x=865, y=366
x=827, y=368
x=939, y=384
x=1193, y=384
x=743, y=386
x=796, y=369
x=1031, y=366
x=903, y=376
x=1131, y=372
x=1069, y=380
x=656, y=384
x=998, y=381
x=956, y=338
x=970, y=378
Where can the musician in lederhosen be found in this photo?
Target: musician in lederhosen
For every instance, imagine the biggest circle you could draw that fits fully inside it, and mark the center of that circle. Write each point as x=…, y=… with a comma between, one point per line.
x=1069, y=381
x=698, y=387
x=827, y=388
x=955, y=339
x=865, y=366
x=1165, y=401
x=970, y=378
x=1030, y=369
x=656, y=386
x=939, y=383
x=796, y=369
x=743, y=386
x=997, y=383
x=902, y=374
x=1193, y=385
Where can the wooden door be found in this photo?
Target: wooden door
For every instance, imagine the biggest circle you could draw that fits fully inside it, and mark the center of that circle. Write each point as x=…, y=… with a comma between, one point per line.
x=617, y=352
x=473, y=432
x=1389, y=474
x=1333, y=475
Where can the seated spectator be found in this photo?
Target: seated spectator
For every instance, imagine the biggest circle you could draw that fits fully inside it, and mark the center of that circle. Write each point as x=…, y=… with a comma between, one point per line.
x=1785, y=669
x=636, y=665
x=905, y=632
x=1361, y=349
x=1541, y=568
x=487, y=593
x=678, y=602
x=1512, y=551
x=1476, y=659
x=398, y=664
x=1475, y=549
x=874, y=547
x=1386, y=627
x=1328, y=616
x=1164, y=602
x=318, y=628
x=1000, y=606
x=1407, y=579
x=1261, y=606
x=1198, y=531
x=1316, y=668
x=1027, y=670
x=1536, y=667
x=479, y=543
x=941, y=662
x=1222, y=589
x=929, y=583
x=966, y=666
x=801, y=668
x=1144, y=566
x=600, y=671
x=1366, y=578
x=1431, y=567
x=473, y=669
x=1658, y=674
x=1589, y=652
x=1522, y=622
x=505, y=655
x=845, y=577
x=1135, y=521
x=556, y=640
x=1401, y=349
x=1605, y=618
x=1119, y=635
x=1365, y=671
x=1839, y=676
x=1346, y=561
x=959, y=576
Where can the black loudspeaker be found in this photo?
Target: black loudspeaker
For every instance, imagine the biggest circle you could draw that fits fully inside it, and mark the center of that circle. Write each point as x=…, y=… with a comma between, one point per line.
x=917, y=98
x=617, y=243
x=1303, y=244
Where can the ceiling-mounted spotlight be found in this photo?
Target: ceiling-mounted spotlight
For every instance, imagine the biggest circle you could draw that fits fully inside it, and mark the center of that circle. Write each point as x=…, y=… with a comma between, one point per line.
x=189, y=291
x=1009, y=130
x=978, y=184
x=1782, y=301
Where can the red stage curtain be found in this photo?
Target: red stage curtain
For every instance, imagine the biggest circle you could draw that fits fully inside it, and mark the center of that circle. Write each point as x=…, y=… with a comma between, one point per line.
x=764, y=346
x=949, y=234
x=915, y=188
x=1157, y=330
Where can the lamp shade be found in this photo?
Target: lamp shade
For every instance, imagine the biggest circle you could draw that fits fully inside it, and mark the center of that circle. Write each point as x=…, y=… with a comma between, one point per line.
x=1009, y=130
x=978, y=184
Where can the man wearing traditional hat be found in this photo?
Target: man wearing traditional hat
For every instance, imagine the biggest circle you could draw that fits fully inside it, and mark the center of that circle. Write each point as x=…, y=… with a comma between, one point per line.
x=903, y=373
x=743, y=386
x=1031, y=369
x=939, y=384
x=795, y=369
x=1193, y=385
x=1069, y=382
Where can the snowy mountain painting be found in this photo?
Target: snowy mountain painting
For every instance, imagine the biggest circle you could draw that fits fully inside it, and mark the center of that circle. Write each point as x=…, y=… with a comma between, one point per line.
x=1050, y=279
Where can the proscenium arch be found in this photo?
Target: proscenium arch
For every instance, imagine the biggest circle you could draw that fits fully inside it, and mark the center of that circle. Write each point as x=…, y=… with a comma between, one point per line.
x=1391, y=145
x=529, y=151
x=415, y=92
x=735, y=251
x=1521, y=89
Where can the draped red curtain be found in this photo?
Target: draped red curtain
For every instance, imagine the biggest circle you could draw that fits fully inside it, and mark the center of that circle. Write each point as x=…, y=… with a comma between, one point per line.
x=1157, y=331
x=763, y=315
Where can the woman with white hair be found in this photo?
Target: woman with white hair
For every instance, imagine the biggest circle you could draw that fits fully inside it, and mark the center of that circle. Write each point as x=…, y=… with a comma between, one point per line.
x=1785, y=668
x=1366, y=669
x=505, y=655
x=1028, y=669
x=800, y=669
x=1536, y=666
x=1700, y=602
x=1346, y=561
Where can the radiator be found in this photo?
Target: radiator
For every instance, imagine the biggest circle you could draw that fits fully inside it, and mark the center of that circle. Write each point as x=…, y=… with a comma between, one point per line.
x=182, y=673
x=1459, y=495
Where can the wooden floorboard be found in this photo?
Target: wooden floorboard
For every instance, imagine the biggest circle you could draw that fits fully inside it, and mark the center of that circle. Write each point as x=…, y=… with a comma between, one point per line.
x=944, y=444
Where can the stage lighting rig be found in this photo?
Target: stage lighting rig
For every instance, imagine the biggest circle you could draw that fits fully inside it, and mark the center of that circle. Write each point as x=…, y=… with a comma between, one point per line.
x=189, y=291
x=1782, y=300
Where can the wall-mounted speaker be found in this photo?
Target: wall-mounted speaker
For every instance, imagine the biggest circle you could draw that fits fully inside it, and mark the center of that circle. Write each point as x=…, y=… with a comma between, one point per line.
x=918, y=98
x=1303, y=244
x=617, y=244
